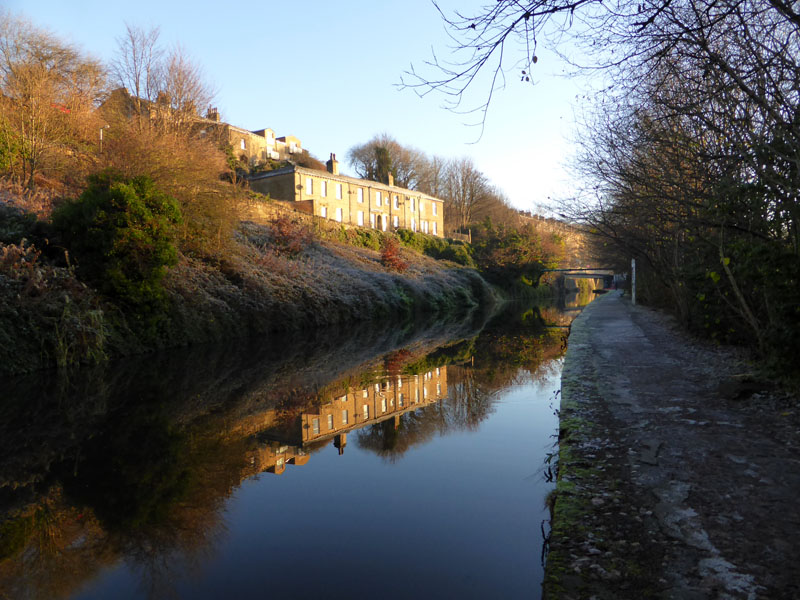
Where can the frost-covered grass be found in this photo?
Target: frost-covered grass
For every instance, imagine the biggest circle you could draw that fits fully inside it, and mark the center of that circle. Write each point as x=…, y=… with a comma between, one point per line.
x=275, y=278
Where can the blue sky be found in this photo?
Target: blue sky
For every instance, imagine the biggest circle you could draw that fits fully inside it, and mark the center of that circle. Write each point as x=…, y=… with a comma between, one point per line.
x=327, y=73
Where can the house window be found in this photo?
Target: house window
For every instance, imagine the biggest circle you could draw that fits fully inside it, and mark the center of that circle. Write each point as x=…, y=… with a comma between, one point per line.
x=344, y=417
x=413, y=225
x=309, y=186
x=339, y=192
x=339, y=214
x=315, y=426
x=323, y=212
x=434, y=229
x=396, y=201
x=360, y=195
x=435, y=208
x=377, y=198
x=372, y=220
x=383, y=405
x=330, y=421
x=242, y=145
x=413, y=204
x=365, y=394
x=421, y=207
x=366, y=411
x=360, y=218
x=323, y=189
x=438, y=389
x=400, y=399
x=396, y=221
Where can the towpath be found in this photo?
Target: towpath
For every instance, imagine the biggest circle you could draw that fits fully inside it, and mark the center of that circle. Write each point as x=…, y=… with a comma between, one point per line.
x=679, y=475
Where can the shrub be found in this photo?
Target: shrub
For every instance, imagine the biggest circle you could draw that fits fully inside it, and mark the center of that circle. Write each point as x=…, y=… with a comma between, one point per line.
x=290, y=237
x=15, y=225
x=122, y=233
x=438, y=248
x=187, y=169
x=362, y=238
x=390, y=255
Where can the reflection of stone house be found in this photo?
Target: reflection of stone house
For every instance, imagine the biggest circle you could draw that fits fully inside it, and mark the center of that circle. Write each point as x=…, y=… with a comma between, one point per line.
x=350, y=200
x=272, y=457
x=372, y=404
x=289, y=443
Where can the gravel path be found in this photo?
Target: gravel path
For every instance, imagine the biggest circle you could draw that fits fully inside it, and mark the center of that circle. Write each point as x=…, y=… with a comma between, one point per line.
x=679, y=473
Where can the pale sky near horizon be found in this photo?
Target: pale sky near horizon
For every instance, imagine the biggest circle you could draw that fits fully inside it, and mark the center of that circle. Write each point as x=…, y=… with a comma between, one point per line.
x=327, y=73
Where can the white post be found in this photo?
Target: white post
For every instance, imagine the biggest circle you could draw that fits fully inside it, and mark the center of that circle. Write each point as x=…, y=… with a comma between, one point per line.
x=633, y=281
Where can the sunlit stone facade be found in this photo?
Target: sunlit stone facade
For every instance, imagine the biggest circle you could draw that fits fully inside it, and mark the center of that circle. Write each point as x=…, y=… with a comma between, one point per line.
x=359, y=202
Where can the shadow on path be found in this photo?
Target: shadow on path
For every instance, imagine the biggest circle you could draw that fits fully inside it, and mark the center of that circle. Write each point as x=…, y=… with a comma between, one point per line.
x=674, y=482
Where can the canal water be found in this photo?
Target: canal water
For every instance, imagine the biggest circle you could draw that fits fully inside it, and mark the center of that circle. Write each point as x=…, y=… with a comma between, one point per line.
x=413, y=463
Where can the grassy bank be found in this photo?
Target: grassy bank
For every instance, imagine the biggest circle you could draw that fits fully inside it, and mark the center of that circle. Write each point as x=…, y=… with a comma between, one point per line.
x=272, y=277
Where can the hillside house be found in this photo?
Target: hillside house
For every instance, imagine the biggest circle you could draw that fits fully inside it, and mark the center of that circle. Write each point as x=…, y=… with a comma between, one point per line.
x=252, y=147
x=330, y=195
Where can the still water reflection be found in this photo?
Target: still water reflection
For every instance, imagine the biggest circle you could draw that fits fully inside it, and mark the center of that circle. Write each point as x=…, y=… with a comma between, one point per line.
x=394, y=464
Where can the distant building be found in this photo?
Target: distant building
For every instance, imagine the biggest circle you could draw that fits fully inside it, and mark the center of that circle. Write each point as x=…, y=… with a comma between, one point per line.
x=350, y=200
x=252, y=147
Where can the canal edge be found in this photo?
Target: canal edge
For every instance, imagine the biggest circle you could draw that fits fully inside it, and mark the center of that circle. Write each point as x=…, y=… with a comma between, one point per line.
x=579, y=563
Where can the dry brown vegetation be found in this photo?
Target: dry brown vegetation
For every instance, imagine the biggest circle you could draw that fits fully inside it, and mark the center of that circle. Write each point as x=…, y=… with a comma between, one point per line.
x=49, y=317
x=230, y=279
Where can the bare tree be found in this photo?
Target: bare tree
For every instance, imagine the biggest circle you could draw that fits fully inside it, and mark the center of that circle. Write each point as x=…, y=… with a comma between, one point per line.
x=49, y=91
x=465, y=189
x=167, y=89
x=382, y=155
x=137, y=64
x=183, y=86
x=499, y=38
x=433, y=176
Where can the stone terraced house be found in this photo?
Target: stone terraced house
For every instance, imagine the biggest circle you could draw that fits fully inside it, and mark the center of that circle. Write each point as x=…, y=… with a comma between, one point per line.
x=360, y=202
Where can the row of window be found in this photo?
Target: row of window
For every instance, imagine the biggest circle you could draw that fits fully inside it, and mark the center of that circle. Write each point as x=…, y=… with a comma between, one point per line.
x=379, y=198
x=315, y=422
x=323, y=212
x=425, y=226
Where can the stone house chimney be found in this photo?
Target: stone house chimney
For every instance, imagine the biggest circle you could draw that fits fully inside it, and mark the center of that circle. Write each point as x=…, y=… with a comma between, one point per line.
x=213, y=114
x=332, y=165
x=391, y=180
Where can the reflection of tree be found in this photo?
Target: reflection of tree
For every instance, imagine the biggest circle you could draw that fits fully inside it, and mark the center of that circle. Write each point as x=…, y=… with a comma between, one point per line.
x=132, y=472
x=147, y=456
x=518, y=339
x=516, y=347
